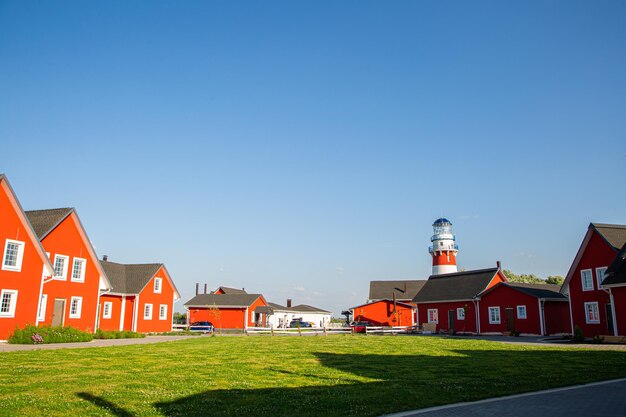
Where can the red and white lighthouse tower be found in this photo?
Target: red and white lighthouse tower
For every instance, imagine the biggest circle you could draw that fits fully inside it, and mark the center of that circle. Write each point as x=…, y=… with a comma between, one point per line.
x=444, y=247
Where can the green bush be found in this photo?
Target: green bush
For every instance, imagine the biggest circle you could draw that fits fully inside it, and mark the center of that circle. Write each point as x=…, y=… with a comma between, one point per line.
x=177, y=333
x=48, y=334
x=579, y=336
x=116, y=334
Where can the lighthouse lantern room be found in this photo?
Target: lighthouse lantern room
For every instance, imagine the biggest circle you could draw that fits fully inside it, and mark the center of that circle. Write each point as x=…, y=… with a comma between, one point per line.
x=444, y=247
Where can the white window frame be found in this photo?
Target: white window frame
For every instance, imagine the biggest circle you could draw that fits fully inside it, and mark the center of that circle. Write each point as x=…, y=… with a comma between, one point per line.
x=521, y=309
x=107, y=310
x=83, y=262
x=600, y=274
x=582, y=279
x=492, y=318
x=460, y=313
x=63, y=276
x=20, y=255
x=12, y=303
x=432, y=319
x=147, y=311
x=158, y=288
x=79, y=307
x=163, y=308
x=594, y=305
x=41, y=314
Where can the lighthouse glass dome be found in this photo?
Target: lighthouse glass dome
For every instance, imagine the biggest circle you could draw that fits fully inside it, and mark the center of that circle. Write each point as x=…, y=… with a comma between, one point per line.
x=442, y=226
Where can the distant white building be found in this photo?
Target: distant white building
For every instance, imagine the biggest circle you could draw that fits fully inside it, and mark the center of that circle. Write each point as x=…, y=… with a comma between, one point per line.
x=280, y=316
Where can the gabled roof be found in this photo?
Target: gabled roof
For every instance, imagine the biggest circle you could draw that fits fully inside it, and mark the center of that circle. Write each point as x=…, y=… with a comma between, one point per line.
x=44, y=221
x=456, y=286
x=132, y=278
x=223, y=300
x=541, y=291
x=384, y=289
x=301, y=308
x=613, y=234
x=384, y=300
x=228, y=290
x=616, y=273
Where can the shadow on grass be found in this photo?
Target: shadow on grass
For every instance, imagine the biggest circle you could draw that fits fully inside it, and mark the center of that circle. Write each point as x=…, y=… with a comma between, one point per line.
x=393, y=383
x=104, y=404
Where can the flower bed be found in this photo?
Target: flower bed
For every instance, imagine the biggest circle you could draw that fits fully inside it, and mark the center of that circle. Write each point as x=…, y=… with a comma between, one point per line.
x=48, y=334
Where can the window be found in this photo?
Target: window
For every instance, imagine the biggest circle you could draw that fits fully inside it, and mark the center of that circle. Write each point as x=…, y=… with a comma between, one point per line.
x=41, y=315
x=521, y=312
x=60, y=266
x=76, y=305
x=157, y=285
x=600, y=274
x=13, y=254
x=592, y=314
x=147, y=312
x=107, y=309
x=78, y=270
x=460, y=313
x=587, y=279
x=8, y=300
x=433, y=315
x=163, y=312
x=494, y=315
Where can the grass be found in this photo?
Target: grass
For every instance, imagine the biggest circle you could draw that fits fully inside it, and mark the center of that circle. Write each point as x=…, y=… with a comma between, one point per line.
x=286, y=376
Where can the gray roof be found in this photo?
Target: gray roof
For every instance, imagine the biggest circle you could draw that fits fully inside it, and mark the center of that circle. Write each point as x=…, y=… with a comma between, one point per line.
x=43, y=221
x=616, y=273
x=380, y=290
x=228, y=290
x=456, y=286
x=301, y=308
x=539, y=290
x=223, y=300
x=131, y=278
x=614, y=234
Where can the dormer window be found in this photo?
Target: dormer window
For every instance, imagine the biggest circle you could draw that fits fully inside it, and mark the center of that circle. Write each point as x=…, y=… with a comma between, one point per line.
x=157, y=285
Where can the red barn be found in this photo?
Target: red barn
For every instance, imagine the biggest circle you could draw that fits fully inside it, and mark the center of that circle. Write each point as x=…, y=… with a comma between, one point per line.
x=450, y=300
x=615, y=282
x=590, y=305
x=24, y=265
x=228, y=311
x=537, y=309
x=71, y=296
x=141, y=298
x=385, y=313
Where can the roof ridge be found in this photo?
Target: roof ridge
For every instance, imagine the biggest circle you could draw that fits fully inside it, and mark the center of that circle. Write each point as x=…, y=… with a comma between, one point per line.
x=473, y=271
x=50, y=209
x=609, y=226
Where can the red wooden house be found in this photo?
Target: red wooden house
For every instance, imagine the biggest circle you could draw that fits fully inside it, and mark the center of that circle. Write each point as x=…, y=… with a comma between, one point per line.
x=385, y=313
x=228, y=311
x=537, y=309
x=141, y=298
x=590, y=305
x=450, y=301
x=24, y=265
x=615, y=283
x=71, y=296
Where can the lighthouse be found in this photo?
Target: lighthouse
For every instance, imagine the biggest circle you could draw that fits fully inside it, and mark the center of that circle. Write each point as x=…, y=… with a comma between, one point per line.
x=444, y=247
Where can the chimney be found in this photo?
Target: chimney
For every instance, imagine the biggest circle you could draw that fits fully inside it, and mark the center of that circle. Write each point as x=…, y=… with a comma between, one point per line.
x=105, y=258
x=197, y=288
x=206, y=288
x=288, y=302
x=498, y=265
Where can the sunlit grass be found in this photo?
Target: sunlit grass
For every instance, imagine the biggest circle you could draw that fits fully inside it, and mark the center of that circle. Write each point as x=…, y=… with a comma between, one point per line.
x=308, y=376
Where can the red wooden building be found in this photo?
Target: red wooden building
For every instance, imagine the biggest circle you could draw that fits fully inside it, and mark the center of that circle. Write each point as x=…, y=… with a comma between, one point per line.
x=71, y=296
x=385, y=313
x=450, y=301
x=141, y=298
x=590, y=305
x=615, y=283
x=24, y=265
x=533, y=309
x=228, y=311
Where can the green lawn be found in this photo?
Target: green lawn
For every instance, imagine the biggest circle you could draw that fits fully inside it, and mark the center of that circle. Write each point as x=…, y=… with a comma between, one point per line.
x=286, y=376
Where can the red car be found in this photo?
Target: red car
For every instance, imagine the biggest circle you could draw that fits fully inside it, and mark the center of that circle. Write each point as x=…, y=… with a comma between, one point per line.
x=360, y=326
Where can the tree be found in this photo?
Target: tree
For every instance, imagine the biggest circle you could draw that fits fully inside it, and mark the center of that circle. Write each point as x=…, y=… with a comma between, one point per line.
x=555, y=279
x=532, y=278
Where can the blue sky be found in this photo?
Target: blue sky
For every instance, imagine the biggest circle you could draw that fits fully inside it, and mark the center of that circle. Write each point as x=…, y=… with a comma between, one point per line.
x=302, y=149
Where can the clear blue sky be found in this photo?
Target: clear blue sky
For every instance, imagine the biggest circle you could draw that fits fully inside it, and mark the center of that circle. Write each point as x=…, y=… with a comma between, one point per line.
x=302, y=149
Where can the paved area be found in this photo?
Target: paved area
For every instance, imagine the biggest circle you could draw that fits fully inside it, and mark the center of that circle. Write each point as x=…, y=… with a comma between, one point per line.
x=601, y=399
x=5, y=347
